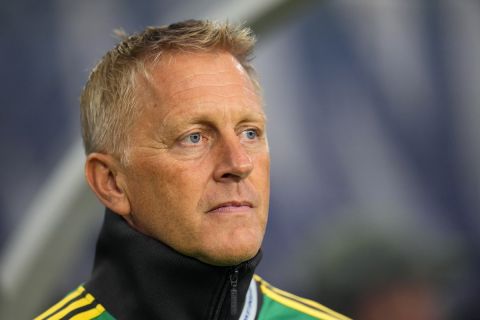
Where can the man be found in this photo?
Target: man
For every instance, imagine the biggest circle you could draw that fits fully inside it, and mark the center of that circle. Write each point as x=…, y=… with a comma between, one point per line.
x=175, y=137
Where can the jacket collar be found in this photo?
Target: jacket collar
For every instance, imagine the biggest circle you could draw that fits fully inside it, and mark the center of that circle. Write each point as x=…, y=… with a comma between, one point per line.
x=138, y=277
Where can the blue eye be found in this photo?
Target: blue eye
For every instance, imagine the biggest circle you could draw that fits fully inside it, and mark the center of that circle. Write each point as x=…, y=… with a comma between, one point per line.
x=195, y=137
x=250, y=134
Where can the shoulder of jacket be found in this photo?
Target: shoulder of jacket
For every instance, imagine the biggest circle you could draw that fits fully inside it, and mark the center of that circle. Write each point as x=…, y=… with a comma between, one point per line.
x=278, y=302
x=77, y=305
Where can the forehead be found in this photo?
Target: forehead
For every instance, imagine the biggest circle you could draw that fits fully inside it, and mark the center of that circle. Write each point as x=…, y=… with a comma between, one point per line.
x=199, y=79
x=181, y=67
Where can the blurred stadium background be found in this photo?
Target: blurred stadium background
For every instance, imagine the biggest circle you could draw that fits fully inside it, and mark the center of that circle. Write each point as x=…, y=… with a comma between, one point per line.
x=374, y=126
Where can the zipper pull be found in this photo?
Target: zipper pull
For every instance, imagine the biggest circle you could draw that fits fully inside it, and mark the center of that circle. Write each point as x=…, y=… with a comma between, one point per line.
x=234, y=292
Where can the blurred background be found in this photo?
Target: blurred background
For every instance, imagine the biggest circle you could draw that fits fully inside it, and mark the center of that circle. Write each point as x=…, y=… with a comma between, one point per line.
x=374, y=111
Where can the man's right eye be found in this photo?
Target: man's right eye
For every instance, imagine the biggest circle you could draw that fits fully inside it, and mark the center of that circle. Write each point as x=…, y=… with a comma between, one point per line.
x=192, y=139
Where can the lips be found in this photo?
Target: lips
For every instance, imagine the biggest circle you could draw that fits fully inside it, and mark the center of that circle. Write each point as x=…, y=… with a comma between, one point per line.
x=232, y=206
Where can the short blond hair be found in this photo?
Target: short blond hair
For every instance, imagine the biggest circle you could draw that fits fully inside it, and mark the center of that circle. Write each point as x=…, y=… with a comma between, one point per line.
x=108, y=101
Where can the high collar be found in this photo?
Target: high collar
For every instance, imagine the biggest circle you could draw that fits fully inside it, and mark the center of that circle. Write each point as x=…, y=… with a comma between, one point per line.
x=138, y=277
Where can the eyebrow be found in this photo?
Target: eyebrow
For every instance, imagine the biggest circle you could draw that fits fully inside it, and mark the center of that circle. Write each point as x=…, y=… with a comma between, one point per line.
x=259, y=116
x=208, y=119
x=250, y=117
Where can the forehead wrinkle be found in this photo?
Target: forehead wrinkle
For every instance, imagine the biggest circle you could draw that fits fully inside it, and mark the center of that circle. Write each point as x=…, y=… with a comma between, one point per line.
x=204, y=73
x=200, y=79
x=250, y=94
x=166, y=90
x=205, y=82
x=212, y=104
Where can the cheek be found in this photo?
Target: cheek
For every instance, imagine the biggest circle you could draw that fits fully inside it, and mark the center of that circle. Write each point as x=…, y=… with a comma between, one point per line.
x=262, y=164
x=165, y=203
x=178, y=186
x=264, y=185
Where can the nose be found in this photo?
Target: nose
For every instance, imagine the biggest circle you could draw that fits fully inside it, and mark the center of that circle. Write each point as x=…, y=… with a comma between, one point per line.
x=233, y=161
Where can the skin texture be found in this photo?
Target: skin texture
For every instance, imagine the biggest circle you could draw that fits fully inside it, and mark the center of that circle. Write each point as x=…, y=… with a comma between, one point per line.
x=197, y=176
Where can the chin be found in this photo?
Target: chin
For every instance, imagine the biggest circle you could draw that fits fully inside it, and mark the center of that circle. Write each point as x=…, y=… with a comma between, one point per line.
x=227, y=261
x=229, y=256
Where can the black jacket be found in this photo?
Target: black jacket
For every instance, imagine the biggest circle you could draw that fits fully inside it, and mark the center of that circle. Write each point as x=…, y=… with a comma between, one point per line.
x=136, y=277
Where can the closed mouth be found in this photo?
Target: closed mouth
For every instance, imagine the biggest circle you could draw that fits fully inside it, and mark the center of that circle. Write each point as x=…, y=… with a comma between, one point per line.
x=231, y=205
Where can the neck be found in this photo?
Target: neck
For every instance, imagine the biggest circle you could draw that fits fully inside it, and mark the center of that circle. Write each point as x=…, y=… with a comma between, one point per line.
x=138, y=277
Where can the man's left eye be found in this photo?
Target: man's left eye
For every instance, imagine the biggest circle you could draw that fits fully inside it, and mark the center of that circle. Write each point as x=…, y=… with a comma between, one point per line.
x=250, y=134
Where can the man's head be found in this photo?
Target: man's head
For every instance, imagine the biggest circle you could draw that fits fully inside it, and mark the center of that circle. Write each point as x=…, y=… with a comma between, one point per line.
x=174, y=131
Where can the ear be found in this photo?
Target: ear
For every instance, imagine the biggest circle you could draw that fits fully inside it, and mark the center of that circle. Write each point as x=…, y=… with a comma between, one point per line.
x=103, y=175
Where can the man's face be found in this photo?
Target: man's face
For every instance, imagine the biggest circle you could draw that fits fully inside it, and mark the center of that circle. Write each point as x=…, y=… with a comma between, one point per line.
x=197, y=177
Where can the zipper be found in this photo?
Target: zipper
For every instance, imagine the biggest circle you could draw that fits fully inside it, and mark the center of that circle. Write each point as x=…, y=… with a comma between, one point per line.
x=234, y=292
x=230, y=286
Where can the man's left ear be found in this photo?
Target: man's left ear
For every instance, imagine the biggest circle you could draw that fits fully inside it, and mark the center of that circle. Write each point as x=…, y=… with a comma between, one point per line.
x=103, y=175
